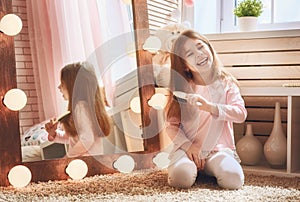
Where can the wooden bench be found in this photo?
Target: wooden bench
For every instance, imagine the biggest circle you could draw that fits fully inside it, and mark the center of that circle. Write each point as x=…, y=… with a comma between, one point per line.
x=267, y=66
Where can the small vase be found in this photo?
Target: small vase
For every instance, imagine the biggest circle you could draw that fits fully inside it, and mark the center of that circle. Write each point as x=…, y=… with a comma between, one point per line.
x=275, y=148
x=247, y=23
x=249, y=148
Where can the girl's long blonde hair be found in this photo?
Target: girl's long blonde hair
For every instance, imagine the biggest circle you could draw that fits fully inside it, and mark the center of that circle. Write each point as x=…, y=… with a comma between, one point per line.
x=82, y=85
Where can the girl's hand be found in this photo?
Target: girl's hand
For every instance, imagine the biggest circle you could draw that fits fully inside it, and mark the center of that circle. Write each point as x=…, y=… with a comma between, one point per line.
x=205, y=105
x=193, y=154
x=50, y=128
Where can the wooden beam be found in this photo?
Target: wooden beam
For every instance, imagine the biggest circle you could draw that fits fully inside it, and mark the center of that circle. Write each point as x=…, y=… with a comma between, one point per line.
x=54, y=169
x=9, y=131
x=146, y=77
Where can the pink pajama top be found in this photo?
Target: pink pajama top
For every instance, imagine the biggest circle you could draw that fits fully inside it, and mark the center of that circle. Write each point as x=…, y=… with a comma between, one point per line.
x=215, y=131
x=88, y=141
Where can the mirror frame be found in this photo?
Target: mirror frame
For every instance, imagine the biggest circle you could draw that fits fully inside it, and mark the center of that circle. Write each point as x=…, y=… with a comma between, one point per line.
x=46, y=170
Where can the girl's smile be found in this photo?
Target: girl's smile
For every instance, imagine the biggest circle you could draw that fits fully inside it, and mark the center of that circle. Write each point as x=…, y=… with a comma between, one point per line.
x=202, y=61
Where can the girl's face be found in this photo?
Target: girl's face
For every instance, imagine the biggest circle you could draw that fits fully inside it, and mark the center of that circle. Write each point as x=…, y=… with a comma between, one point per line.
x=62, y=88
x=198, y=57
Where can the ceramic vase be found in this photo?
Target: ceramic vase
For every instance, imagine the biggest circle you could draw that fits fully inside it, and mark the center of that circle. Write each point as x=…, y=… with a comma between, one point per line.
x=249, y=148
x=275, y=148
x=247, y=23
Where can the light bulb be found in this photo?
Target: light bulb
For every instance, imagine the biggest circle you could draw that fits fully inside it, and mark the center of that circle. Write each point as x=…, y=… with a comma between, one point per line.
x=77, y=169
x=11, y=24
x=161, y=160
x=135, y=105
x=124, y=164
x=158, y=101
x=15, y=99
x=152, y=44
x=19, y=176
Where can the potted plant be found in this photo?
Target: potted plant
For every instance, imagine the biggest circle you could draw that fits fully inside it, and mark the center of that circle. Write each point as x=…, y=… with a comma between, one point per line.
x=247, y=12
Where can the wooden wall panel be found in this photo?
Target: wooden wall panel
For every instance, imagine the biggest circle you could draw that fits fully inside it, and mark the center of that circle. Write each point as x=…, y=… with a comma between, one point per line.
x=265, y=72
x=265, y=101
x=261, y=58
x=264, y=128
x=257, y=45
x=270, y=83
x=265, y=114
x=261, y=113
x=261, y=61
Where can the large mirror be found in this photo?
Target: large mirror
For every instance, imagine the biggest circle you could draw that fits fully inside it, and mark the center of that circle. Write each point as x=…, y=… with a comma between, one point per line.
x=148, y=143
x=87, y=33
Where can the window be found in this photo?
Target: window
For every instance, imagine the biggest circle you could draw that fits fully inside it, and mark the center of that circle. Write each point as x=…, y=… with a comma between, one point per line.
x=216, y=16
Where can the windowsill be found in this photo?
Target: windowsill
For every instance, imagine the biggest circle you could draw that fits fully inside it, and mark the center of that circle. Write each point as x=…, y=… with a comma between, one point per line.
x=255, y=34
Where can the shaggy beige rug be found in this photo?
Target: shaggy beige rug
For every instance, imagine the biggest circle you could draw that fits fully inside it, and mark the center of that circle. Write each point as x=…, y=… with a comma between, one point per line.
x=151, y=185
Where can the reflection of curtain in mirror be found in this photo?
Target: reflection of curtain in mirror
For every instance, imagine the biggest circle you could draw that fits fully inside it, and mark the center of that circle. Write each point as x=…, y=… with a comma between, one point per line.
x=63, y=32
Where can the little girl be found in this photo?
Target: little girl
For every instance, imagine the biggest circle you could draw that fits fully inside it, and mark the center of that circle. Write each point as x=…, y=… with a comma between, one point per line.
x=201, y=125
x=83, y=130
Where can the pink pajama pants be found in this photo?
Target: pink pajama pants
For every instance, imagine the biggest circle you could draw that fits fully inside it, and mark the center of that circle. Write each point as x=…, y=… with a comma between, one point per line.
x=182, y=172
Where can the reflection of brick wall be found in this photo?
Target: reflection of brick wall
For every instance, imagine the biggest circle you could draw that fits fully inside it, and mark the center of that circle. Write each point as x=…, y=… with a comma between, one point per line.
x=25, y=79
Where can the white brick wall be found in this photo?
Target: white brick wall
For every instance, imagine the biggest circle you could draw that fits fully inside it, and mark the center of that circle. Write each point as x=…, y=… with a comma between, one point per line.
x=25, y=78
